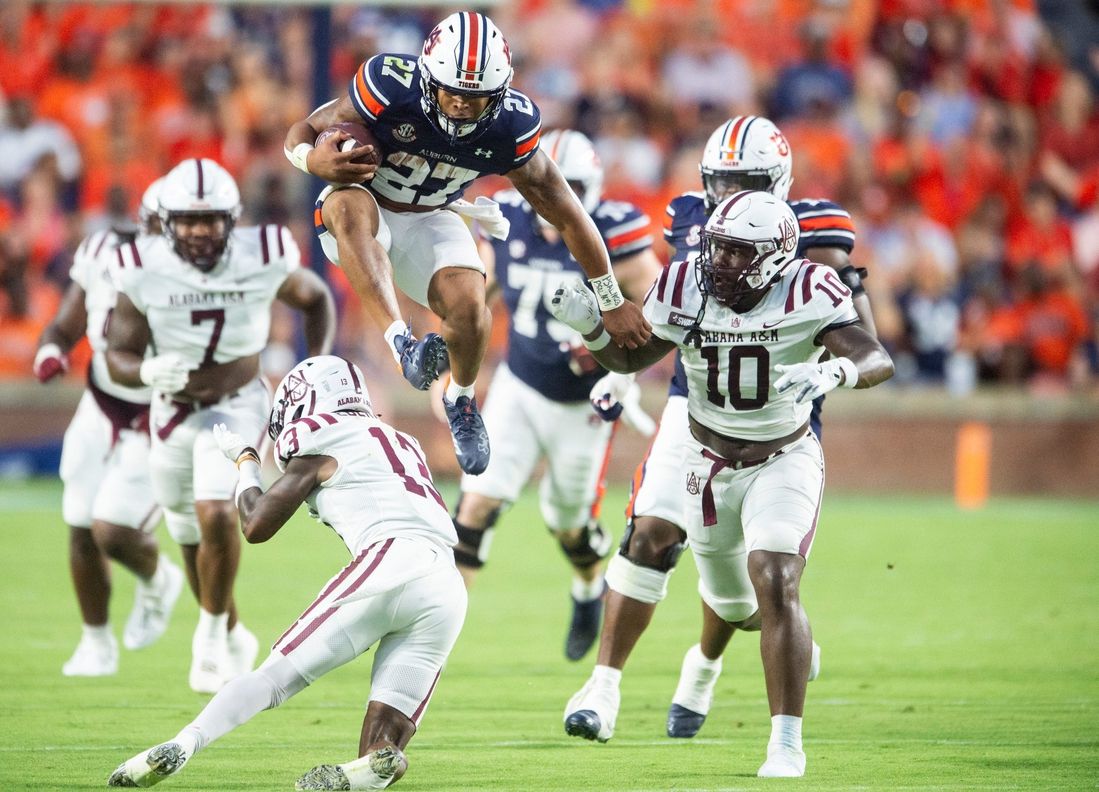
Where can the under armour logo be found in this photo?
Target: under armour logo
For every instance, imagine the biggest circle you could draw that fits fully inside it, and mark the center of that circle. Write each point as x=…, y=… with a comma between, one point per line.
x=486, y=153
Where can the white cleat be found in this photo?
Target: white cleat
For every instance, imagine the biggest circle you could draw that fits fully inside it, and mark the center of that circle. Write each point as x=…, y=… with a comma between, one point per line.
x=783, y=762
x=149, y=767
x=592, y=712
x=93, y=658
x=153, y=604
x=210, y=665
x=814, y=663
x=376, y=770
x=694, y=694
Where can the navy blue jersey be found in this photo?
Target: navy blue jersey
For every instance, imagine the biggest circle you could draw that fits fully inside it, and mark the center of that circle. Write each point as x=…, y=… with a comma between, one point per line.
x=542, y=352
x=822, y=224
x=421, y=166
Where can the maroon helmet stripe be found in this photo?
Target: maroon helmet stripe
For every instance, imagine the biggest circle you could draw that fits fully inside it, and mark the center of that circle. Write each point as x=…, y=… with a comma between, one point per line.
x=198, y=164
x=310, y=423
x=740, y=196
x=102, y=241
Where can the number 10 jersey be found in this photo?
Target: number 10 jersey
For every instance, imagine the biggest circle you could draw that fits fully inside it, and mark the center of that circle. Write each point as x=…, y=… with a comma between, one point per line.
x=731, y=374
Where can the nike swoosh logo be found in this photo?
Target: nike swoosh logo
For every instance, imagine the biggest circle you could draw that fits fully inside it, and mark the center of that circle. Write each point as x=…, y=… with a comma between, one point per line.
x=769, y=325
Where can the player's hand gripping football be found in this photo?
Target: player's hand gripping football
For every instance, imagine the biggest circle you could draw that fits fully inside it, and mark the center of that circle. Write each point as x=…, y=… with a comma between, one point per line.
x=574, y=305
x=487, y=214
x=166, y=373
x=233, y=445
x=811, y=380
x=50, y=362
x=338, y=163
x=618, y=395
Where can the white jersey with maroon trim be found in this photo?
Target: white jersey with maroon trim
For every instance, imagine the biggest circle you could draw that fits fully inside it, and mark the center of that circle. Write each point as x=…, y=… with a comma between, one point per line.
x=91, y=271
x=213, y=317
x=731, y=374
x=382, y=487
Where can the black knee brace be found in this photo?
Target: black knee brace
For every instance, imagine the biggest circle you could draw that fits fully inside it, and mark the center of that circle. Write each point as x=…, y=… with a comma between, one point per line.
x=593, y=545
x=667, y=560
x=473, y=544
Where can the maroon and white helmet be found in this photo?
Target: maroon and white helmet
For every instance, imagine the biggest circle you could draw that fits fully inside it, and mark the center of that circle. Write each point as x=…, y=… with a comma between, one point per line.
x=465, y=54
x=199, y=188
x=321, y=384
x=150, y=206
x=579, y=164
x=746, y=153
x=750, y=219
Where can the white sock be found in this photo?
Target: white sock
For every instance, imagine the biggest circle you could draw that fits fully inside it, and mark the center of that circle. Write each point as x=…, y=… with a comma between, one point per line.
x=156, y=579
x=100, y=633
x=212, y=626
x=785, y=732
x=586, y=591
x=606, y=676
x=454, y=390
x=190, y=740
x=391, y=332
x=362, y=776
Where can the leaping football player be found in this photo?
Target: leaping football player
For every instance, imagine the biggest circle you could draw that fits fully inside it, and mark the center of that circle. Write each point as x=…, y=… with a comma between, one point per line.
x=539, y=404
x=752, y=321
x=746, y=152
x=400, y=593
x=200, y=296
x=107, y=499
x=442, y=119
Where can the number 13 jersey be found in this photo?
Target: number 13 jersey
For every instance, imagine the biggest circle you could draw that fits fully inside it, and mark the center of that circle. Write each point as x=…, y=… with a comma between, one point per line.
x=208, y=317
x=731, y=374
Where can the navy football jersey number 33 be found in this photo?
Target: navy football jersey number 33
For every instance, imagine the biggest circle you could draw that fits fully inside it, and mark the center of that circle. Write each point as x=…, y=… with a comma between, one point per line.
x=421, y=167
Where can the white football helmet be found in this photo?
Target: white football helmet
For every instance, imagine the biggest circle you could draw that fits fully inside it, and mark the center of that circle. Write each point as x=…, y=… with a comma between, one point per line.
x=753, y=220
x=579, y=164
x=150, y=207
x=199, y=187
x=746, y=153
x=465, y=54
x=321, y=384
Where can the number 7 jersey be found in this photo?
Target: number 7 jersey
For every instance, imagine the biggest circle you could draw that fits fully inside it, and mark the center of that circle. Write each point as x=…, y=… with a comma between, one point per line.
x=731, y=374
x=212, y=317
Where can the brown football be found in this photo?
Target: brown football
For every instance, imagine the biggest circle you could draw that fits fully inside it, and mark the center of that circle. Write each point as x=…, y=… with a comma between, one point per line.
x=360, y=136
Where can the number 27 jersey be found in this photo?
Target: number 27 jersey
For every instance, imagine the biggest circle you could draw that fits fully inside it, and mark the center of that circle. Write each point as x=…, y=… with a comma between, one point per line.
x=731, y=374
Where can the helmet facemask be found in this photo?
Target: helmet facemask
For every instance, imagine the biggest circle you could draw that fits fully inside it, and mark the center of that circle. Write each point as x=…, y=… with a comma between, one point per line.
x=729, y=269
x=455, y=129
x=719, y=184
x=204, y=251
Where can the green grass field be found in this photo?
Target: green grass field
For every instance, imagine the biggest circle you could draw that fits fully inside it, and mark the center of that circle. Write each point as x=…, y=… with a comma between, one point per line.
x=960, y=652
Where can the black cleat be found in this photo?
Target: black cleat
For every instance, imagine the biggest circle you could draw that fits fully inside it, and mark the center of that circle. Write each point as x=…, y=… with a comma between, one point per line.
x=421, y=361
x=584, y=628
x=683, y=722
x=469, y=433
x=584, y=723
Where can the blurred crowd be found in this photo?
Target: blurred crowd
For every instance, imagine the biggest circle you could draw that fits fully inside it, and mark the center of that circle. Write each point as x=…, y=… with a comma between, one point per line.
x=962, y=135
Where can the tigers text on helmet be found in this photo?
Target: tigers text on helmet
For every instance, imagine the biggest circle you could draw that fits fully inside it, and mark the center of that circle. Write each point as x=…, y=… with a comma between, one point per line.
x=748, y=242
x=321, y=384
x=746, y=153
x=579, y=164
x=465, y=54
x=196, y=190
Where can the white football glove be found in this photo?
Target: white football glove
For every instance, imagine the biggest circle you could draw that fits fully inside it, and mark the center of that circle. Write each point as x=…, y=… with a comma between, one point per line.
x=231, y=444
x=487, y=214
x=811, y=380
x=166, y=373
x=617, y=395
x=575, y=306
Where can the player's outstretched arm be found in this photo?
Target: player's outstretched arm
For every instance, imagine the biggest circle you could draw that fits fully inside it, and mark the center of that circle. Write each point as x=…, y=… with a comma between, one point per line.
x=326, y=160
x=304, y=290
x=858, y=361
x=61, y=334
x=872, y=362
x=540, y=182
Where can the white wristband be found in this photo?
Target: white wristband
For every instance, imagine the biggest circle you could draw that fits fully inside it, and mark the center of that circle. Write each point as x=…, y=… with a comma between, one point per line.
x=607, y=293
x=600, y=342
x=249, y=476
x=850, y=372
x=298, y=156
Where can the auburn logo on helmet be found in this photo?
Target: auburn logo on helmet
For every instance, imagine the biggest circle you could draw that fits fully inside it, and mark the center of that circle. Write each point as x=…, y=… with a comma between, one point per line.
x=432, y=40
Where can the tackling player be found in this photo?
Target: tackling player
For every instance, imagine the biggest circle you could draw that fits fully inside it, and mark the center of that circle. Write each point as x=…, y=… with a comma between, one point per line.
x=746, y=152
x=443, y=119
x=538, y=405
x=401, y=592
x=200, y=296
x=752, y=322
x=107, y=499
